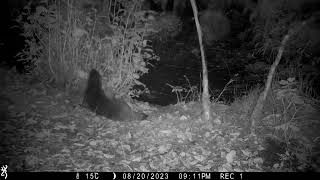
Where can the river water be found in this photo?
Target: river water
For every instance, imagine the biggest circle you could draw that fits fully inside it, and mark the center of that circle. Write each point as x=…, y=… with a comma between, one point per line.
x=180, y=65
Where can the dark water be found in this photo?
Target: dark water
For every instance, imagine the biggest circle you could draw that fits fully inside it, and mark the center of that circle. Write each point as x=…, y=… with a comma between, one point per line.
x=180, y=65
x=162, y=77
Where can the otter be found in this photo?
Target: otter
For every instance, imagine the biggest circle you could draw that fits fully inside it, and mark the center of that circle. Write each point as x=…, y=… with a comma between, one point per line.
x=107, y=105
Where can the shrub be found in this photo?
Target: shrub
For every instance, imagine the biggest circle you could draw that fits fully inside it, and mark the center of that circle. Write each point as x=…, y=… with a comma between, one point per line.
x=65, y=40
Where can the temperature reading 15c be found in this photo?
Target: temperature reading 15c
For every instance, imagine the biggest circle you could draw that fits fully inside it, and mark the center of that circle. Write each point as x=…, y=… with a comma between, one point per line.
x=92, y=176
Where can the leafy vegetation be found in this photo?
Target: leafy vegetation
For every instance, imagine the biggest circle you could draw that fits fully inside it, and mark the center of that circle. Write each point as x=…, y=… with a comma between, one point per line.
x=270, y=21
x=289, y=117
x=64, y=41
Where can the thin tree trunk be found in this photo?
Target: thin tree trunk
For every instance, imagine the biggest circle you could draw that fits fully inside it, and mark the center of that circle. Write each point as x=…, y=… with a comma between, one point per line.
x=257, y=112
x=205, y=93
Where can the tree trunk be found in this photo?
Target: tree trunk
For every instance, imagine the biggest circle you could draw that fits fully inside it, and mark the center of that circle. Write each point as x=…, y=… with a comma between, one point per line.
x=205, y=93
x=257, y=112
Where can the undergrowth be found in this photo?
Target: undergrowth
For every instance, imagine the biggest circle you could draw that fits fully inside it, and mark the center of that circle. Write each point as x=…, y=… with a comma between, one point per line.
x=289, y=117
x=64, y=41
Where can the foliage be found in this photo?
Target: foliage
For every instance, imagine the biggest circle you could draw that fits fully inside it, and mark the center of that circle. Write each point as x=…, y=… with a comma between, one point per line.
x=307, y=75
x=270, y=21
x=164, y=26
x=270, y=25
x=225, y=87
x=287, y=122
x=244, y=105
x=189, y=94
x=290, y=117
x=64, y=41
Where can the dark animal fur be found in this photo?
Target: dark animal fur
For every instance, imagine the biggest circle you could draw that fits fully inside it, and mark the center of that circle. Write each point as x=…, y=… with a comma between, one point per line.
x=108, y=106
